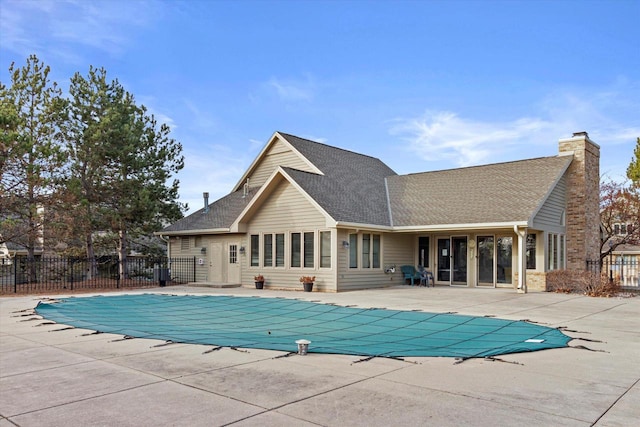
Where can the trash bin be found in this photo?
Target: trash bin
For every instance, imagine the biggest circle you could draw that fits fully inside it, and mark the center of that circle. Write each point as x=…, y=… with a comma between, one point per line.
x=161, y=275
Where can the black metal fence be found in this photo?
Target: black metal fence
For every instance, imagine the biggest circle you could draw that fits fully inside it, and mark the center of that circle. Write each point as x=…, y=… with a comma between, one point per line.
x=19, y=275
x=625, y=270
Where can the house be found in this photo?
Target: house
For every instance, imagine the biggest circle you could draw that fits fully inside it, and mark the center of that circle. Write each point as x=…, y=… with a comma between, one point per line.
x=622, y=263
x=306, y=208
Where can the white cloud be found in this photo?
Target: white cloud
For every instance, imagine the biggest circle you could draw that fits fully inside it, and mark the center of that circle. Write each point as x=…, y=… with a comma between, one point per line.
x=610, y=116
x=56, y=26
x=292, y=90
x=443, y=135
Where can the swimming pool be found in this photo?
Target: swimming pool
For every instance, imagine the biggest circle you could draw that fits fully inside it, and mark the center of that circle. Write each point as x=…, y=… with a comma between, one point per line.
x=276, y=323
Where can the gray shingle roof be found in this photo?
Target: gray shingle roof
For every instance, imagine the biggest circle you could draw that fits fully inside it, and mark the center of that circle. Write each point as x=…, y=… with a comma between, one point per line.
x=221, y=213
x=352, y=188
x=503, y=192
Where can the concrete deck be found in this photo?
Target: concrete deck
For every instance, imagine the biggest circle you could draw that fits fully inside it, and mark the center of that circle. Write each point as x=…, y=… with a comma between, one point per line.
x=54, y=377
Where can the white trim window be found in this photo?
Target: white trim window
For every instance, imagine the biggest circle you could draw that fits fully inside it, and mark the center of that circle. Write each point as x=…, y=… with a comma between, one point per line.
x=369, y=255
x=556, y=247
x=325, y=249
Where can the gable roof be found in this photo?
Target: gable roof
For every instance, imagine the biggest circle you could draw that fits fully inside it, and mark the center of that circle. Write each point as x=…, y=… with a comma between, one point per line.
x=359, y=190
x=352, y=187
x=501, y=193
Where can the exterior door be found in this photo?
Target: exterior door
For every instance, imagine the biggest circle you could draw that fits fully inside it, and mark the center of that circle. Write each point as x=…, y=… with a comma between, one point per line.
x=452, y=260
x=216, y=263
x=486, y=261
x=443, y=272
x=504, y=262
x=233, y=266
x=459, y=261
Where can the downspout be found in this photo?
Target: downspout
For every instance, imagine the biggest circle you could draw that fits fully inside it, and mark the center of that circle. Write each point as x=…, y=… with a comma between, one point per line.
x=168, y=242
x=522, y=259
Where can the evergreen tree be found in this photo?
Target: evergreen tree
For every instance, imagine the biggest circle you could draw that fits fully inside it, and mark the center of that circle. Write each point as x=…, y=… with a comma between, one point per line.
x=85, y=131
x=122, y=162
x=32, y=157
x=633, y=171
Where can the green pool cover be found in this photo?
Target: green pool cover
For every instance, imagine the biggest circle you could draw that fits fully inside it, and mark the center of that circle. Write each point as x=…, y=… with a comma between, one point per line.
x=276, y=323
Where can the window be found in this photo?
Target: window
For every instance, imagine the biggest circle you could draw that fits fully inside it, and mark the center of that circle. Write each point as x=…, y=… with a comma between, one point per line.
x=295, y=249
x=555, y=251
x=531, y=251
x=325, y=249
x=279, y=250
x=184, y=244
x=267, y=254
x=233, y=254
x=255, y=250
x=552, y=251
x=366, y=251
x=353, y=251
x=370, y=253
x=423, y=251
x=375, y=253
x=308, y=250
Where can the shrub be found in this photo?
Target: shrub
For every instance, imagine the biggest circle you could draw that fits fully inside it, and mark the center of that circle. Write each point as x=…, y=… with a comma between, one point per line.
x=584, y=282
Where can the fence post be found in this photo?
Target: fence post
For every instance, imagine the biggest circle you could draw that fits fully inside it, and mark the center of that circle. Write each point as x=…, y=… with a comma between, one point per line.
x=194, y=269
x=15, y=275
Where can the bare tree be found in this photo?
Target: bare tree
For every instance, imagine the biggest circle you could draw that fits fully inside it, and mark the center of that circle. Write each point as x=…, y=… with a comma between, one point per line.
x=619, y=216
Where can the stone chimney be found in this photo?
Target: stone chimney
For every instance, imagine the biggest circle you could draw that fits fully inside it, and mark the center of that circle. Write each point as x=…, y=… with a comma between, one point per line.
x=582, y=217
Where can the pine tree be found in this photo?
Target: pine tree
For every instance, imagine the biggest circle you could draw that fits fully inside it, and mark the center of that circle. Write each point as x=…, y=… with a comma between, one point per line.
x=633, y=171
x=32, y=157
x=122, y=162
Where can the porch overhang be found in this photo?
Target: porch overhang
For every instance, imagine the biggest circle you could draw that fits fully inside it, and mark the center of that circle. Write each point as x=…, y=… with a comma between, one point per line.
x=460, y=227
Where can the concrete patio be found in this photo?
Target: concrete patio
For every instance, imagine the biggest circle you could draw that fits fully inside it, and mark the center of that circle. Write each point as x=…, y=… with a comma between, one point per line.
x=55, y=377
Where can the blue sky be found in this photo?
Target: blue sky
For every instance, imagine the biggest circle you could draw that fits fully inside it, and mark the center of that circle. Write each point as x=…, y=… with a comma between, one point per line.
x=422, y=85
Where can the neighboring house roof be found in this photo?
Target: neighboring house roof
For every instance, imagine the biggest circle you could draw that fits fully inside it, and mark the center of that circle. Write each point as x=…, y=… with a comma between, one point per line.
x=627, y=249
x=353, y=188
x=491, y=194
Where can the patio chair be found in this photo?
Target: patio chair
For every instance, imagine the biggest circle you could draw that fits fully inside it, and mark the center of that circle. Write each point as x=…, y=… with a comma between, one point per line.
x=410, y=273
x=425, y=276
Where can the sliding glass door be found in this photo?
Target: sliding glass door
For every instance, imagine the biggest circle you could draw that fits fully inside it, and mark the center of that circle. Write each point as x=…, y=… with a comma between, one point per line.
x=486, y=270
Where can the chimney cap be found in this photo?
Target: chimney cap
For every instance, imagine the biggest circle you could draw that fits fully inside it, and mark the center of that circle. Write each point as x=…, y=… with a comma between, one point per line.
x=581, y=133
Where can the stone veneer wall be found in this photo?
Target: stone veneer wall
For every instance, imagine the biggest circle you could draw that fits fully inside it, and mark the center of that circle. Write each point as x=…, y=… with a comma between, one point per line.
x=536, y=280
x=583, y=201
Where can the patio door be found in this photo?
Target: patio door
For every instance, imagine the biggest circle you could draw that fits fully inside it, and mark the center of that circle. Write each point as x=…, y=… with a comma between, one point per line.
x=452, y=260
x=486, y=261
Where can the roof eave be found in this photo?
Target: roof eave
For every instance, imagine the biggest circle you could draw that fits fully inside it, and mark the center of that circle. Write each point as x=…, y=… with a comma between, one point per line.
x=193, y=232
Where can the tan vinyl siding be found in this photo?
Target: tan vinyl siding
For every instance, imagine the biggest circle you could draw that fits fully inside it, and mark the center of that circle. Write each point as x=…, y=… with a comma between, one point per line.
x=549, y=217
x=395, y=250
x=287, y=211
x=204, y=268
x=278, y=155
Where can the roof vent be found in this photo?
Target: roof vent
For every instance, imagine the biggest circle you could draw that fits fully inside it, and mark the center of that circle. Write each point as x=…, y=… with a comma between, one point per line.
x=245, y=189
x=205, y=195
